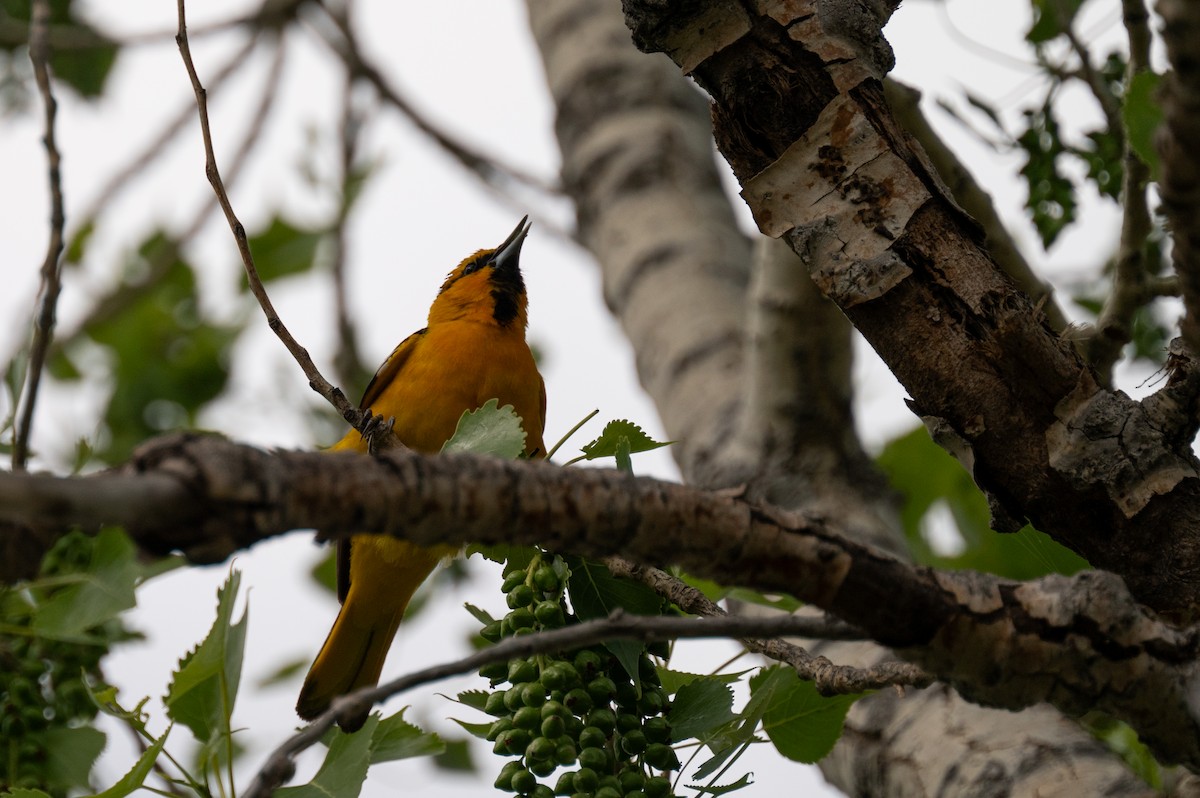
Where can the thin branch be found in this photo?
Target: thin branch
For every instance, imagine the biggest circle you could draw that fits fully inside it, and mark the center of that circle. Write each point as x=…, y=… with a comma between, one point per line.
x=1114, y=327
x=317, y=382
x=830, y=679
x=348, y=49
x=43, y=330
x=997, y=642
x=124, y=294
x=1109, y=105
x=279, y=766
x=270, y=15
x=346, y=359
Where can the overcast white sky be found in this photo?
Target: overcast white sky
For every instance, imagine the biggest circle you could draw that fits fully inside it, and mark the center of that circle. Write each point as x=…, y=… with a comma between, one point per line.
x=472, y=67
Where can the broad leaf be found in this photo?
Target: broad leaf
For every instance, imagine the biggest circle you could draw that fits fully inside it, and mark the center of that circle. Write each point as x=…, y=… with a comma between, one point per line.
x=488, y=430
x=609, y=442
x=700, y=707
x=282, y=250
x=136, y=777
x=395, y=738
x=70, y=754
x=595, y=593
x=345, y=767
x=202, y=692
x=803, y=724
x=105, y=590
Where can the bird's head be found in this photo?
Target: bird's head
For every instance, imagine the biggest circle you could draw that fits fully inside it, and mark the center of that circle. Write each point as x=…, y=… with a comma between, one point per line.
x=486, y=287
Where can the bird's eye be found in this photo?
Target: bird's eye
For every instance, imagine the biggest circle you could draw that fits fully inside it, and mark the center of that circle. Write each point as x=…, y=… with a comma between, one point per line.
x=473, y=266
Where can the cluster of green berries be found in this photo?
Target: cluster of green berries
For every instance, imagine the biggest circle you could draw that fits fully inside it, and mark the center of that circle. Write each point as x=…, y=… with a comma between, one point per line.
x=41, y=680
x=576, y=711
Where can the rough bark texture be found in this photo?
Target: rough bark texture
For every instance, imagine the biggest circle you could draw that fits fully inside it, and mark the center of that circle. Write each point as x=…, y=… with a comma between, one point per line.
x=647, y=192
x=800, y=116
x=1080, y=643
x=1180, y=184
x=790, y=393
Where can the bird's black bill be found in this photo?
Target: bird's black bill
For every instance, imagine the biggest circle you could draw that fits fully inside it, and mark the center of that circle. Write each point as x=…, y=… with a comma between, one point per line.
x=509, y=253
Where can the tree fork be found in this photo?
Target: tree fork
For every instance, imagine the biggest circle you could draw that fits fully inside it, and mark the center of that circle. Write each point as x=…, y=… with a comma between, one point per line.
x=799, y=113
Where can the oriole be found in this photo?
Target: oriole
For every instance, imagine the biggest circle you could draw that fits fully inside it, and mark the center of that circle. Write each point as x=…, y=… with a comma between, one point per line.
x=472, y=350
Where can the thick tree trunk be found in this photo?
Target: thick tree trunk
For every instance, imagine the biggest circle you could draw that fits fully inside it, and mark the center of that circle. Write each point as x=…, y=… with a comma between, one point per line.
x=635, y=144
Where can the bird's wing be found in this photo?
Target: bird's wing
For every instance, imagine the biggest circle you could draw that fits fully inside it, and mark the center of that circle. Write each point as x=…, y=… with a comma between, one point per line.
x=391, y=368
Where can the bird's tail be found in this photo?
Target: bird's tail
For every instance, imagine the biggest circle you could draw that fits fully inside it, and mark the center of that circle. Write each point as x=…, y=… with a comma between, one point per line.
x=357, y=647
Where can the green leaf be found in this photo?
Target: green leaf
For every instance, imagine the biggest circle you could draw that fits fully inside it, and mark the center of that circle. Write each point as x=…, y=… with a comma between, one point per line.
x=609, y=442
x=203, y=691
x=803, y=724
x=283, y=673
x=488, y=430
x=395, y=738
x=622, y=455
x=24, y=792
x=1051, y=200
x=136, y=777
x=1051, y=18
x=105, y=590
x=483, y=616
x=1124, y=742
x=479, y=730
x=160, y=324
x=512, y=557
x=282, y=250
x=987, y=108
x=84, y=68
x=722, y=789
x=476, y=699
x=1143, y=115
x=77, y=245
x=595, y=593
x=345, y=767
x=928, y=477
x=456, y=757
x=700, y=707
x=778, y=601
x=70, y=754
x=671, y=680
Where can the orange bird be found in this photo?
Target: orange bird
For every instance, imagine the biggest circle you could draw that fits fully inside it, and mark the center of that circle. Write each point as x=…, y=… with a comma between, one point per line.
x=472, y=350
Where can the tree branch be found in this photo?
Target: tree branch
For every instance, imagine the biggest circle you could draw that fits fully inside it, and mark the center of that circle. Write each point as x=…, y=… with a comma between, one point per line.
x=1080, y=643
x=619, y=626
x=43, y=328
x=823, y=164
x=318, y=383
x=830, y=679
x=1131, y=272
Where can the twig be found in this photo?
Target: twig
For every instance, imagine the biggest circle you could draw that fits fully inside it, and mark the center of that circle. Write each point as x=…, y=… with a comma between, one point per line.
x=346, y=359
x=1114, y=327
x=43, y=330
x=830, y=679
x=1109, y=104
x=279, y=766
x=347, y=48
x=317, y=382
x=114, y=303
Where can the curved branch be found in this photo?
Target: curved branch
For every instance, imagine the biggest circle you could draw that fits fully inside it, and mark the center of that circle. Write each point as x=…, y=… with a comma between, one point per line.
x=1080, y=643
x=619, y=626
x=43, y=328
x=316, y=381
